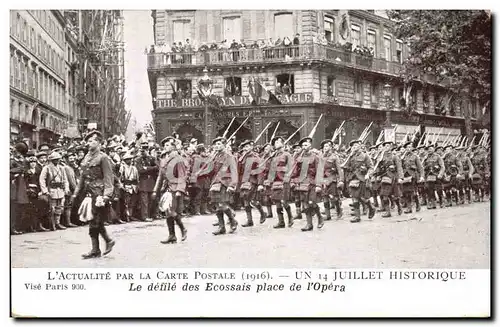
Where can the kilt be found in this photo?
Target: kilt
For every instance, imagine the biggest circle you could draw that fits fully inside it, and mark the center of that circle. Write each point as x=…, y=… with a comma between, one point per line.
x=359, y=192
x=309, y=195
x=222, y=196
x=248, y=194
x=283, y=194
x=376, y=186
x=391, y=189
x=409, y=188
x=331, y=190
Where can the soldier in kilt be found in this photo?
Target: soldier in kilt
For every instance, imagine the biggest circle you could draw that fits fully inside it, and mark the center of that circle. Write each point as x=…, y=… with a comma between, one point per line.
x=265, y=195
x=359, y=168
x=413, y=172
x=333, y=178
x=440, y=183
x=481, y=173
x=434, y=171
x=275, y=172
x=465, y=187
x=248, y=173
x=422, y=191
x=453, y=174
x=295, y=195
x=390, y=173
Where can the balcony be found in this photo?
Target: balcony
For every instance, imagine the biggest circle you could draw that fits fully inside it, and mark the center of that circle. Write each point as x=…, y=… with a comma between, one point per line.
x=298, y=53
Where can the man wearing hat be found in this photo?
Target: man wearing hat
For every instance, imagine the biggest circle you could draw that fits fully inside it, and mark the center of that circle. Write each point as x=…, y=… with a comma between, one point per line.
x=359, y=168
x=224, y=180
x=303, y=179
x=422, y=191
x=434, y=171
x=54, y=184
x=274, y=173
x=248, y=173
x=465, y=181
x=390, y=172
x=375, y=151
x=481, y=173
x=148, y=172
x=265, y=195
x=129, y=177
x=413, y=172
x=32, y=178
x=96, y=182
x=69, y=171
x=453, y=173
x=18, y=192
x=172, y=183
x=295, y=195
x=333, y=178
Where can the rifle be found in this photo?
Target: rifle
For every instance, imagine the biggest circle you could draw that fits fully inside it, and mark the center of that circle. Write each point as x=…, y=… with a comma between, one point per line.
x=239, y=127
x=262, y=133
x=275, y=130
x=337, y=131
x=228, y=126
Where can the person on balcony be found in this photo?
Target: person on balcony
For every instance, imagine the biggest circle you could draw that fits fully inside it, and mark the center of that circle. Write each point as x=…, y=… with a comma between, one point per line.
x=188, y=49
x=287, y=43
x=234, y=50
x=277, y=89
x=286, y=89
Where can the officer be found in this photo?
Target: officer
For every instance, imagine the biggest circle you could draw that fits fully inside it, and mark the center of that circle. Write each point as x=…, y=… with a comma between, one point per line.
x=434, y=170
x=413, y=172
x=465, y=181
x=333, y=178
x=96, y=182
x=481, y=173
x=453, y=174
x=391, y=176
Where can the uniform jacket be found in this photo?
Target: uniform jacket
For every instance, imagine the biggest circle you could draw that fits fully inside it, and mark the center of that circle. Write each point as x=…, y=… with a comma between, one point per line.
x=434, y=165
x=330, y=163
x=358, y=166
x=17, y=184
x=279, y=159
x=148, y=172
x=174, y=164
x=412, y=166
x=229, y=178
x=129, y=176
x=53, y=181
x=202, y=182
x=390, y=166
x=311, y=165
x=466, y=164
x=71, y=177
x=97, y=175
x=250, y=159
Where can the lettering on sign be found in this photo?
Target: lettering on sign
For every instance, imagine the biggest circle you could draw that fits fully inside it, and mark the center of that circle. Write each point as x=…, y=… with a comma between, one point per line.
x=232, y=101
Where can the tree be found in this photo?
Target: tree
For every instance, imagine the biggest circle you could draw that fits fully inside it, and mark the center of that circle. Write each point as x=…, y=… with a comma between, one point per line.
x=453, y=45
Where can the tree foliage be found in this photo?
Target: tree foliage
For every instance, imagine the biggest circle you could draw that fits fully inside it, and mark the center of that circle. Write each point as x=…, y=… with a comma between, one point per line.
x=453, y=45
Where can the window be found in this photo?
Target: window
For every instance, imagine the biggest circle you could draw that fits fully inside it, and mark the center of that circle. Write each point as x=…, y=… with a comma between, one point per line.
x=32, y=39
x=35, y=80
x=40, y=84
x=232, y=29
x=372, y=41
x=39, y=45
x=355, y=35
x=18, y=25
x=183, y=89
x=387, y=47
x=283, y=26
x=331, y=86
x=23, y=74
x=17, y=71
x=374, y=92
x=358, y=90
x=30, y=80
x=232, y=86
x=425, y=100
x=12, y=107
x=329, y=29
x=25, y=31
x=399, y=51
x=12, y=68
x=182, y=30
x=402, y=100
x=285, y=84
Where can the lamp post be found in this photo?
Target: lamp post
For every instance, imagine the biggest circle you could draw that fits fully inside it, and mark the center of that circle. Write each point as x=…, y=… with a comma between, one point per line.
x=389, y=132
x=205, y=85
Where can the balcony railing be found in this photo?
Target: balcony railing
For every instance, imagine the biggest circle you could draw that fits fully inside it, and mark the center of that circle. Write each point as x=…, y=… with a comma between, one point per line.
x=269, y=55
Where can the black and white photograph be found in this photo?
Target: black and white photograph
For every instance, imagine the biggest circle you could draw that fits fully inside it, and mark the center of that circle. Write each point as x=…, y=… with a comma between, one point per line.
x=245, y=139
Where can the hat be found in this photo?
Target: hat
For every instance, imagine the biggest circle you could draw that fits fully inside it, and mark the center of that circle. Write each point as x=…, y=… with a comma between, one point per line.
x=193, y=141
x=44, y=145
x=21, y=147
x=308, y=139
x=430, y=145
x=166, y=139
x=145, y=144
x=387, y=142
x=31, y=153
x=460, y=148
x=54, y=155
x=217, y=139
x=92, y=134
x=31, y=159
x=407, y=143
x=448, y=146
x=354, y=142
x=439, y=147
x=296, y=145
x=127, y=156
x=421, y=147
x=275, y=139
x=325, y=142
x=251, y=142
x=41, y=154
x=373, y=147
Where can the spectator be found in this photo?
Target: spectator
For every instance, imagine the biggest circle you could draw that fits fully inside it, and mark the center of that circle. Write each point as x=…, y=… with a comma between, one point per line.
x=278, y=89
x=286, y=89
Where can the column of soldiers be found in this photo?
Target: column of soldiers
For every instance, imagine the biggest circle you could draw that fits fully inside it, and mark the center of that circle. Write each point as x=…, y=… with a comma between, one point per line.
x=147, y=181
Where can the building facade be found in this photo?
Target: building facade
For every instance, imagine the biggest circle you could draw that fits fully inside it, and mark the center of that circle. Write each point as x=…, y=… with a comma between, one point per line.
x=341, y=64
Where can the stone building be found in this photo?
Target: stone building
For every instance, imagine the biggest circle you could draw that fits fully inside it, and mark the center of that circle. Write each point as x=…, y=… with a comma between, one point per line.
x=346, y=66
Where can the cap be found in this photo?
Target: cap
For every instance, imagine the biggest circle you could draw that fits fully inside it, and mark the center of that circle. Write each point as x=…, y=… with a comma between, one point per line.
x=245, y=142
x=275, y=139
x=127, y=156
x=354, y=142
x=44, y=145
x=296, y=145
x=325, y=142
x=305, y=139
x=31, y=153
x=54, y=155
x=92, y=134
x=41, y=154
x=387, y=142
x=21, y=147
x=217, y=139
x=448, y=146
x=407, y=143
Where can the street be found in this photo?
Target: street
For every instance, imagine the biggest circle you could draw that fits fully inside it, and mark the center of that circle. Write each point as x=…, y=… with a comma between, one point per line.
x=455, y=238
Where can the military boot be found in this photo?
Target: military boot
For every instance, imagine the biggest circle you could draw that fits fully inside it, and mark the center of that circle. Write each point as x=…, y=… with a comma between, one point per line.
x=417, y=203
x=290, y=216
x=269, y=212
x=327, y=210
x=298, y=211
x=220, y=223
x=203, y=208
x=468, y=193
x=357, y=213
x=338, y=209
x=171, y=232
x=67, y=218
x=281, y=219
x=249, y=222
x=317, y=211
x=232, y=222
x=309, y=225
x=448, y=199
x=398, y=205
x=95, y=252
x=183, y=229
x=408, y=206
x=371, y=209
x=387, y=208
x=321, y=221
x=262, y=213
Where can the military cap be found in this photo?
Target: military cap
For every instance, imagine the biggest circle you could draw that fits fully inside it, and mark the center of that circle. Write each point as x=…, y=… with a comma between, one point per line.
x=305, y=139
x=296, y=145
x=439, y=147
x=325, y=142
x=459, y=148
x=44, y=145
x=21, y=147
x=275, y=139
x=92, y=134
x=31, y=153
x=251, y=142
x=354, y=142
x=430, y=145
x=217, y=139
x=373, y=147
x=167, y=139
x=144, y=144
x=404, y=145
x=54, y=155
x=448, y=146
x=41, y=154
x=387, y=142
x=128, y=156
x=421, y=147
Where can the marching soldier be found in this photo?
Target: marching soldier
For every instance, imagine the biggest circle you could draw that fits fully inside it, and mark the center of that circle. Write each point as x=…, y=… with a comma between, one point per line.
x=304, y=181
x=413, y=173
x=129, y=177
x=481, y=173
x=434, y=171
x=274, y=174
x=390, y=173
x=172, y=184
x=148, y=171
x=248, y=173
x=422, y=191
x=465, y=180
x=453, y=174
x=333, y=177
x=96, y=182
x=296, y=150
x=223, y=183
x=440, y=181
x=265, y=195
x=359, y=168
x=53, y=183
